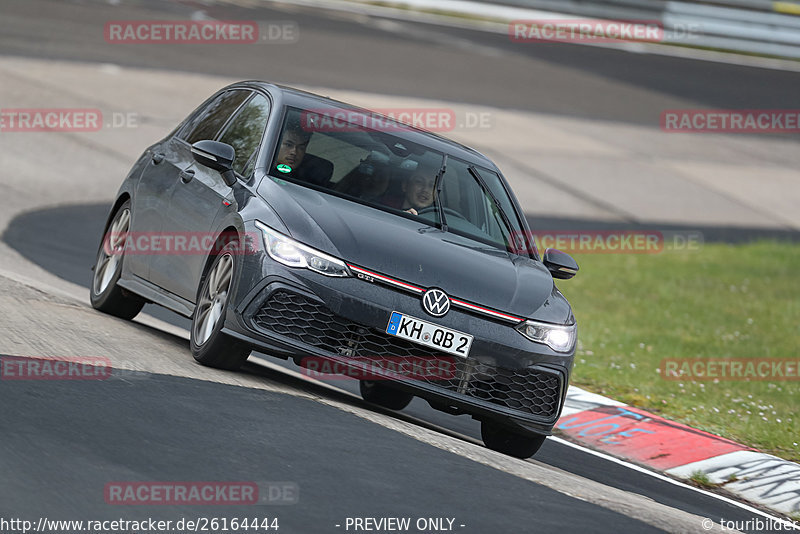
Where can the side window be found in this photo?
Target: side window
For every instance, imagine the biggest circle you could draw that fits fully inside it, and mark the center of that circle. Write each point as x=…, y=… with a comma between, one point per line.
x=213, y=117
x=244, y=133
x=481, y=210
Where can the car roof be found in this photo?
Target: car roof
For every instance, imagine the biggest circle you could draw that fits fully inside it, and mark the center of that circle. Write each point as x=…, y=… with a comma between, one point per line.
x=294, y=97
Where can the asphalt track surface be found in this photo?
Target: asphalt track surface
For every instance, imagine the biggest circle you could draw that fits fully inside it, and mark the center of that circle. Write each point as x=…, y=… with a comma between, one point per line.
x=69, y=436
x=354, y=468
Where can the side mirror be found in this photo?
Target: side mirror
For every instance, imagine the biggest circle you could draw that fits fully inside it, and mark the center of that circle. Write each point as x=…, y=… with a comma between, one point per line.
x=560, y=264
x=217, y=156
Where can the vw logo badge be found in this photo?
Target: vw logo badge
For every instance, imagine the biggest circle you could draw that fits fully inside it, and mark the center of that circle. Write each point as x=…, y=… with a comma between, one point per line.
x=436, y=302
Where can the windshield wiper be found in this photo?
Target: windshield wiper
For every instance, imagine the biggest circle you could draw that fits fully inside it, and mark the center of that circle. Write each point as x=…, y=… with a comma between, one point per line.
x=437, y=186
x=506, y=221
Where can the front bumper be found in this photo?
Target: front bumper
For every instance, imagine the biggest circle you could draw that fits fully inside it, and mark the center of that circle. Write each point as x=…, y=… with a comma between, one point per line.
x=298, y=313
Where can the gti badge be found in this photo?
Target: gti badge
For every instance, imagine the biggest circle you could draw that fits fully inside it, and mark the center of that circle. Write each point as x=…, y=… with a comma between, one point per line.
x=436, y=302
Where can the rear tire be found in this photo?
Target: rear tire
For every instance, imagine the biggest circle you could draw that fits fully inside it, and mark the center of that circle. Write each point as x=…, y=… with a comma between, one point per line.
x=503, y=439
x=382, y=395
x=209, y=345
x=104, y=293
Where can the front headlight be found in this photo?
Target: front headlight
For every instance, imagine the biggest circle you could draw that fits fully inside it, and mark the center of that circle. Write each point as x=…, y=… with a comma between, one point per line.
x=291, y=253
x=560, y=338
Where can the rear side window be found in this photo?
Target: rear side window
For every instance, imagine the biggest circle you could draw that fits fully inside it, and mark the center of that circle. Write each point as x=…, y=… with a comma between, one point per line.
x=209, y=121
x=244, y=133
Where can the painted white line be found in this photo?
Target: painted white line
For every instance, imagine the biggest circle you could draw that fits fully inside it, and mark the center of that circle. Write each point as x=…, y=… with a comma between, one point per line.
x=787, y=524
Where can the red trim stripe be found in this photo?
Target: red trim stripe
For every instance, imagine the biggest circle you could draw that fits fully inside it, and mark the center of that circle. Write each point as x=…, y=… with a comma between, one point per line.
x=485, y=310
x=457, y=302
x=386, y=278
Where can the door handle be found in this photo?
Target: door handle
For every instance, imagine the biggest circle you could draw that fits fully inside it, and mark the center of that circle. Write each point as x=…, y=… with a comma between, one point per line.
x=187, y=175
x=158, y=158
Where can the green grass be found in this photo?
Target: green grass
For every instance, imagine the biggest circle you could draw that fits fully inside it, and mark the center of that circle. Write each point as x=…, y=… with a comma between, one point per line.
x=700, y=479
x=721, y=301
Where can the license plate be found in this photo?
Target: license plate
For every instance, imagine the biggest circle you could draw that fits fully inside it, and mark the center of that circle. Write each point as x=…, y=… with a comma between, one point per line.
x=429, y=334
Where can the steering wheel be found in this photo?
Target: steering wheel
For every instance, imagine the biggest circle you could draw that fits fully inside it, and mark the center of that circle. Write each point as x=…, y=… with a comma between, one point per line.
x=447, y=211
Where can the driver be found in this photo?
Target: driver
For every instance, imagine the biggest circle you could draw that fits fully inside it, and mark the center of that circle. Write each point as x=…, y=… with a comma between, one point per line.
x=418, y=189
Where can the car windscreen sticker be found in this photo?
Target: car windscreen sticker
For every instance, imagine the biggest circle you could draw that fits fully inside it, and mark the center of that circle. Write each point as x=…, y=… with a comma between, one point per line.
x=284, y=168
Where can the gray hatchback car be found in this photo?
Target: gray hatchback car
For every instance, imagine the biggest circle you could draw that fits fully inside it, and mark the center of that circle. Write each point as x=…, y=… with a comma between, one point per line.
x=313, y=230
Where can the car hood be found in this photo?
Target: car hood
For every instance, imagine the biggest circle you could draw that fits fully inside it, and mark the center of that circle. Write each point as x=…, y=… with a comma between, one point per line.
x=416, y=253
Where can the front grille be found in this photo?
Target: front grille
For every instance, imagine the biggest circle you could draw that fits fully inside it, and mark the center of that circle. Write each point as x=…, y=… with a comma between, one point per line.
x=532, y=391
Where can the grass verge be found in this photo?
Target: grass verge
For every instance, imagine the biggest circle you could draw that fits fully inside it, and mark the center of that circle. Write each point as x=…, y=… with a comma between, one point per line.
x=721, y=301
x=701, y=480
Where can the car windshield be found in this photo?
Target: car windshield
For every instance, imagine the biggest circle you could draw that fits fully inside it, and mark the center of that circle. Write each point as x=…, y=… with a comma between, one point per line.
x=356, y=156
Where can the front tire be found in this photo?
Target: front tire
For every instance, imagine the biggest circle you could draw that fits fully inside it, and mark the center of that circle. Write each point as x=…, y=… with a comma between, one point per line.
x=382, y=395
x=104, y=293
x=209, y=345
x=503, y=439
